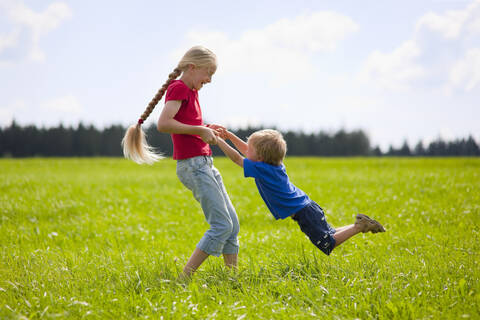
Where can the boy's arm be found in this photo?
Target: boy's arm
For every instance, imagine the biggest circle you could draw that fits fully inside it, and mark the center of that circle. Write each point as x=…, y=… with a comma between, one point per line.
x=238, y=143
x=230, y=152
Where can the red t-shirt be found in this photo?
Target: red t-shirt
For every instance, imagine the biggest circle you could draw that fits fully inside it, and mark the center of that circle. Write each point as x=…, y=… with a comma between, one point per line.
x=187, y=145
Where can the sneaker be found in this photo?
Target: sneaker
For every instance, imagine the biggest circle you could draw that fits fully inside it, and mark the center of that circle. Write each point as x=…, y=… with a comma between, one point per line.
x=366, y=224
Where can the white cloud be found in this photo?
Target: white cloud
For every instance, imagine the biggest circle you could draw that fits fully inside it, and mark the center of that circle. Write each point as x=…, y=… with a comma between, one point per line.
x=66, y=104
x=6, y=116
x=65, y=109
x=355, y=105
x=465, y=72
x=474, y=26
x=241, y=122
x=315, y=32
x=9, y=40
x=451, y=24
x=394, y=70
x=39, y=24
x=417, y=59
x=7, y=112
x=281, y=50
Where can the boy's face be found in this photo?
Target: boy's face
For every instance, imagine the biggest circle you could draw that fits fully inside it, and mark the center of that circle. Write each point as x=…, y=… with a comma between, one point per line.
x=251, y=152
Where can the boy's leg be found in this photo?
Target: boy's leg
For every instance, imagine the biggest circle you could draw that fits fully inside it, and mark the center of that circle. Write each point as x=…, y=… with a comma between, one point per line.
x=363, y=224
x=312, y=222
x=340, y=228
x=342, y=234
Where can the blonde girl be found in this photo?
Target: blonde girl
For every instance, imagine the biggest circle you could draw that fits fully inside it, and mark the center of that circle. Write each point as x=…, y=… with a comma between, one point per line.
x=182, y=118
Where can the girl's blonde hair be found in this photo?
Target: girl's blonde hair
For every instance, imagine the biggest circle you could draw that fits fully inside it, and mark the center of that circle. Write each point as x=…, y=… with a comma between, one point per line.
x=134, y=143
x=269, y=146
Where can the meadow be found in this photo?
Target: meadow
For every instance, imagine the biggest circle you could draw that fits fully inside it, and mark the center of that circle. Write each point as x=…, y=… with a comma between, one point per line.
x=105, y=238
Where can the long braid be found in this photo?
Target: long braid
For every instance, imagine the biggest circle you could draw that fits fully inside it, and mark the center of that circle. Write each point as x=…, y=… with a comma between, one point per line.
x=172, y=76
x=135, y=146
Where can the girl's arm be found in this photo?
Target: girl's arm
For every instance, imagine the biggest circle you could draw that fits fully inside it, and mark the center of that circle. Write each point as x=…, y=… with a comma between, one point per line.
x=230, y=152
x=167, y=124
x=238, y=143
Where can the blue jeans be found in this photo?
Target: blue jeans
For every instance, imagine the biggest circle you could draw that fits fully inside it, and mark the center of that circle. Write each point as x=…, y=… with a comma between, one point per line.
x=200, y=176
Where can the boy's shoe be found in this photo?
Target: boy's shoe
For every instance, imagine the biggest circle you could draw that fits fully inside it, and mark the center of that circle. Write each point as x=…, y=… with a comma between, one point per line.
x=366, y=224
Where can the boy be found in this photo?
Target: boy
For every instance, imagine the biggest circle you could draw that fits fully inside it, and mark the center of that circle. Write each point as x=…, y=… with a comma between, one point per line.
x=264, y=153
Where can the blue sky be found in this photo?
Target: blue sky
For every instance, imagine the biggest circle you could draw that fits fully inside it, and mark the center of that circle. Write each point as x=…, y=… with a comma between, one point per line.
x=400, y=71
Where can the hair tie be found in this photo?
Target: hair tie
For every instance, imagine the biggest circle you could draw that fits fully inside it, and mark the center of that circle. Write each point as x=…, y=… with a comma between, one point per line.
x=140, y=121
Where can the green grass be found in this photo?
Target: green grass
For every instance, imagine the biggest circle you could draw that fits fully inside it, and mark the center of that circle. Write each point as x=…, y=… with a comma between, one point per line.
x=106, y=238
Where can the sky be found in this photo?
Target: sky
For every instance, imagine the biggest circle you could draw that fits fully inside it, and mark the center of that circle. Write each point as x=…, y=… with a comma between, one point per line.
x=399, y=70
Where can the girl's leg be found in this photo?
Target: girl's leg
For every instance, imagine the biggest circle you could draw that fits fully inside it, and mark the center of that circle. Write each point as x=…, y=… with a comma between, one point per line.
x=230, y=250
x=342, y=234
x=230, y=260
x=198, y=175
x=197, y=258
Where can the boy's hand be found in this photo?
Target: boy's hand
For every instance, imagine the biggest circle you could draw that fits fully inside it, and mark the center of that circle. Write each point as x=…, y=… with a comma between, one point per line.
x=222, y=133
x=216, y=127
x=220, y=130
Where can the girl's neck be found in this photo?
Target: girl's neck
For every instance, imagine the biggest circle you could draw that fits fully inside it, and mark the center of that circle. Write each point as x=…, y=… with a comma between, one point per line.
x=185, y=78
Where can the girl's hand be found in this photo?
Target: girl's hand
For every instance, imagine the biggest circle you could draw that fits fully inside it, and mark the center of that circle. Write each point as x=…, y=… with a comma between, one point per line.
x=208, y=135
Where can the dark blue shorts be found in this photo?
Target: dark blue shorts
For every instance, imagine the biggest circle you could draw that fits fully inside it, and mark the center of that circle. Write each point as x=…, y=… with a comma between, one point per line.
x=313, y=223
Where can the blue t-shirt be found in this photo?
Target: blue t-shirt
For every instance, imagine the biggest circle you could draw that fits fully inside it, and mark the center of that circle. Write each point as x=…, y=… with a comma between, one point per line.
x=281, y=197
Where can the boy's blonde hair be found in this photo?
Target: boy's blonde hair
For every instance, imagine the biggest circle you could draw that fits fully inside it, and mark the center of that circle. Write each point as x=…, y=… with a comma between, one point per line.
x=269, y=146
x=135, y=146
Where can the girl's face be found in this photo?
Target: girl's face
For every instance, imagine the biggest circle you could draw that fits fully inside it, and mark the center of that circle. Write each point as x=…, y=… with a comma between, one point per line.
x=201, y=76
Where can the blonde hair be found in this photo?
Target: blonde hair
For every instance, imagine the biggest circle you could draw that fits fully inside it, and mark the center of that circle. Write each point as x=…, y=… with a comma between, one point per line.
x=134, y=143
x=269, y=146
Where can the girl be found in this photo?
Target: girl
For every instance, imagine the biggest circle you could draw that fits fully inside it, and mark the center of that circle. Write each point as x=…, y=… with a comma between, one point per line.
x=182, y=118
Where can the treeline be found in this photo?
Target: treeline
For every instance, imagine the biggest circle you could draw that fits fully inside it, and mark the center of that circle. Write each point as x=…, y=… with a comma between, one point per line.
x=458, y=147
x=87, y=141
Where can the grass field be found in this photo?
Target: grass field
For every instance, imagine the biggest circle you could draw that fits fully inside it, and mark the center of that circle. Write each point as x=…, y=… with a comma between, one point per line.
x=106, y=238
